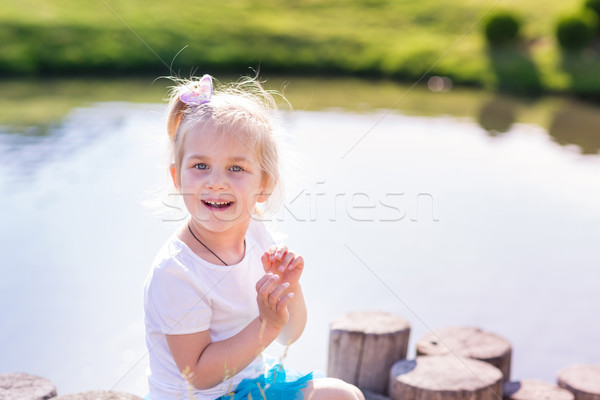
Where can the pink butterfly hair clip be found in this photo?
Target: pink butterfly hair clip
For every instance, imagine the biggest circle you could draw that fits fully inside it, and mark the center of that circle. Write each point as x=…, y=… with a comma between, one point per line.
x=199, y=92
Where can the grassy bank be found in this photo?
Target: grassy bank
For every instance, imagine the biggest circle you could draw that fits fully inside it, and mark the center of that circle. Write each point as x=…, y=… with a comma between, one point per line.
x=390, y=38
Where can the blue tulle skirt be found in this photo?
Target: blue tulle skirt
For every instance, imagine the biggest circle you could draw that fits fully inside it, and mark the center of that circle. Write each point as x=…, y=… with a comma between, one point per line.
x=275, y=384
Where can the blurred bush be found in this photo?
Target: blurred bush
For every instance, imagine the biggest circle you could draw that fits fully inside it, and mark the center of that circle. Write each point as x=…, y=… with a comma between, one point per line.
x=575, y=32
x=593, y=5
x=502, y=28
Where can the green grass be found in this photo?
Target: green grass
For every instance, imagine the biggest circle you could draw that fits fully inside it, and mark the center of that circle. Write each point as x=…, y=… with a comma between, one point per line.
x=400, y=39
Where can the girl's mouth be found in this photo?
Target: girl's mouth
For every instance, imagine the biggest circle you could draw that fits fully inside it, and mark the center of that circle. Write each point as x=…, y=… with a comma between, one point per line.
x=219, y=205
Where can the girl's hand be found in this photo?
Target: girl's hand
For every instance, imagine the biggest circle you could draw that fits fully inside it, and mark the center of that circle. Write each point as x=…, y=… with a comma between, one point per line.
x=286, y=264
x=272, y=301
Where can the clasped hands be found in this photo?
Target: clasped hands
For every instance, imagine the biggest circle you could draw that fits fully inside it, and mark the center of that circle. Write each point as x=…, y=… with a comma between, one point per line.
x=276, y=288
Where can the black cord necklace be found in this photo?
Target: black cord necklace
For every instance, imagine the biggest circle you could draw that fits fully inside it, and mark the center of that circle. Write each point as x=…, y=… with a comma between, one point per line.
x=206, y=247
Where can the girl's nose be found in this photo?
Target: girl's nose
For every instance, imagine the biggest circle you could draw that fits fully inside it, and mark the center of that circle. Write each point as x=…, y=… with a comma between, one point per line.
x=216, y=181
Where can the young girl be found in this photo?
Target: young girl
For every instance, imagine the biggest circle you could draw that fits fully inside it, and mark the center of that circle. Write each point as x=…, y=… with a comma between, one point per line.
x=220, y=291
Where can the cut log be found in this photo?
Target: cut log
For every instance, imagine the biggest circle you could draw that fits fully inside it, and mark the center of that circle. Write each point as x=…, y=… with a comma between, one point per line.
x=364, y=345
x=98, y=395
x=25, y=387
x=468, y=342
x=531, y=389
x=445, y=378
x=374, y=396
x=581, y=380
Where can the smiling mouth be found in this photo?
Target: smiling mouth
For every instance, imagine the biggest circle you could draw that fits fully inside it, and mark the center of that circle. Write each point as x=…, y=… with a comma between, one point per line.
x=217, y=204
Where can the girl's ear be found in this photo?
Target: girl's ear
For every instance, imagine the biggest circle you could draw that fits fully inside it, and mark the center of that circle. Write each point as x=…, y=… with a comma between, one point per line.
x=266, y=191
x=175, y=176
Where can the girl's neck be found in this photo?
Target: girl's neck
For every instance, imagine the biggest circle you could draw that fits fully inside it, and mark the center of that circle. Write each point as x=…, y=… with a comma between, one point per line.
x=229, y=246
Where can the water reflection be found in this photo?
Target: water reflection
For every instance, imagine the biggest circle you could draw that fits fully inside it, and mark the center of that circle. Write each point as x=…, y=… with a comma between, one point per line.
x=32, y=108
x=579, y=124
x=30, y=149
x=497, y=116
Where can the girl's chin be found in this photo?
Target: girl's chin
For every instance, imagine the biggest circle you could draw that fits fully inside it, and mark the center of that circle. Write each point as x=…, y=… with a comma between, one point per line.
x=221, y=221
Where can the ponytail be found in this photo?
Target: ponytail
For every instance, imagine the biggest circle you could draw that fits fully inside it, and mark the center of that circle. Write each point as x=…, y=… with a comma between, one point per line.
x=175, y=115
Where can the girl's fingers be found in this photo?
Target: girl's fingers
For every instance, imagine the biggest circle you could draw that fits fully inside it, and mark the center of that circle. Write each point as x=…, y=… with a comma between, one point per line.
x=261, y=282
x=286, y=261
x=268, y=281
x=276, y=294
x=284, y=301
x=277, y=252
x=272, y=251
x=266, y=262
x=297, y=262
x=281, y=252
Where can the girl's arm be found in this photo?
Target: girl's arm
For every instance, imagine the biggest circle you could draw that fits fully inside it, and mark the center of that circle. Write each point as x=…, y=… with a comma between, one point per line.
x=205, y=364
x=289, y=266
x=295, y=325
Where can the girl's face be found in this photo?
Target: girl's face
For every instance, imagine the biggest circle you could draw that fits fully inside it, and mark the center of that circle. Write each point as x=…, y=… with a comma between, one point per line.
x=220, y=180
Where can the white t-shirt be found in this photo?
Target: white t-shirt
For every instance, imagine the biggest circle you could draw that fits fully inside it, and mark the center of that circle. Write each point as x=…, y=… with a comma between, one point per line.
x=186, y=294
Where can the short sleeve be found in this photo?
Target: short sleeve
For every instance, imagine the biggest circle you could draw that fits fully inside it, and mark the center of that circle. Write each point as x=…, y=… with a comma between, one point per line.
x=261, y=234
x=174, y=303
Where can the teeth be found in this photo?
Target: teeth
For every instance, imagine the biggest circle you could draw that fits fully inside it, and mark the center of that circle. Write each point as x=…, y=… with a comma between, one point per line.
x=217, y=202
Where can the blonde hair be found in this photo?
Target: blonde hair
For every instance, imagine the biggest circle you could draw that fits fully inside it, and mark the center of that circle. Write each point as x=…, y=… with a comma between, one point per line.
x=243, y=109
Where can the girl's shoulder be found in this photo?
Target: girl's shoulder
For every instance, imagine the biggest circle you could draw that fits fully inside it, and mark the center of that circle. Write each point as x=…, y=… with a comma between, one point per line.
x=168, y=260
x=169, y=253
x=258, y=231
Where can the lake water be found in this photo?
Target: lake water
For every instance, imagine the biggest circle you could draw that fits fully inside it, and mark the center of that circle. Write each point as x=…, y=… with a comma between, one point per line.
x=458, y=208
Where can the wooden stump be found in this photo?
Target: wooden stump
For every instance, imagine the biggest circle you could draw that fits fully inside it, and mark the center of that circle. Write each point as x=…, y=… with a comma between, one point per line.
x=364, y=345
x=98, y=395
x=18, y=386
x=468, y=342
x=374, y=396
x=445, y=378
x=581, y=380
x=530, y=389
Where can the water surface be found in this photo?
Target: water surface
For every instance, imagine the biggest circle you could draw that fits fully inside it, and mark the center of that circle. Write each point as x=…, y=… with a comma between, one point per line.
x=459, y=208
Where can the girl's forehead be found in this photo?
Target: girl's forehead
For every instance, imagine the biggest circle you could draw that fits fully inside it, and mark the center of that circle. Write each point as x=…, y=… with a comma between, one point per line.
x=215, y=143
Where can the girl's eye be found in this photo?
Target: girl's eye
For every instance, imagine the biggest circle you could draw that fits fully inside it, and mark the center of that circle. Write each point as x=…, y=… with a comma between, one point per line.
x=236, y=168
x=201, y=166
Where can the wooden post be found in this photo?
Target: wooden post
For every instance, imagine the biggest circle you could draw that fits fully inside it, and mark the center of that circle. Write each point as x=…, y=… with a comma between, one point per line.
x=364, y=345
x=530, y=389
x=581, y=380
x=445, y=378
x=25, y=387
x=98, y=395
x=468, y=342
x=374, y=396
